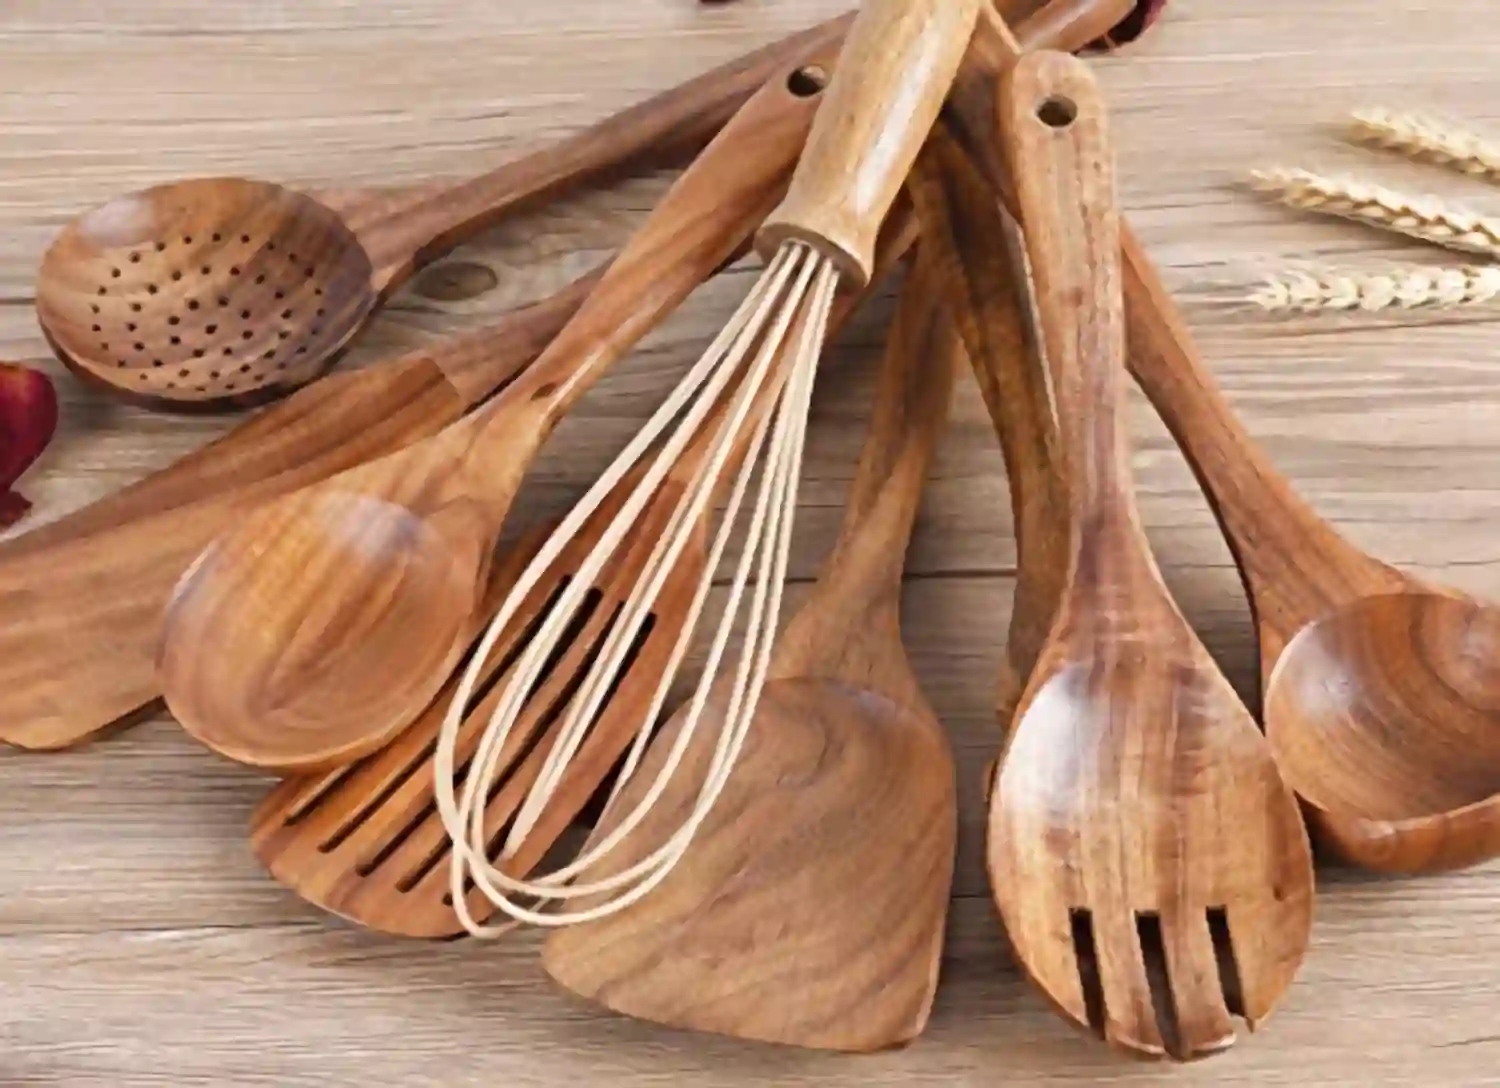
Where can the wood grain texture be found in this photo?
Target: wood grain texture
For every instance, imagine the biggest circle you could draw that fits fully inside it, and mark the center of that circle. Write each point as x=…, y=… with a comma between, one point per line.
x=990, y=297
x=1149, y=862
x=337, y=612
x=143, y=943
x=809, y=909
x=906, y=54
x=1382, y=692
x=56, y=625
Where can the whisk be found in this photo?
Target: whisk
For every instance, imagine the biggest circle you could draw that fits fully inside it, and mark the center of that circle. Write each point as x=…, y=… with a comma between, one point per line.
x=897, y=65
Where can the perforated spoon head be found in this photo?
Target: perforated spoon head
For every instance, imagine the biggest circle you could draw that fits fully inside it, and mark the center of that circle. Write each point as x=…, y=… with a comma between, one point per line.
x=215, y=292
x=367, y=605
x=810, y=909
x=1148, y=859
x=1385, y=718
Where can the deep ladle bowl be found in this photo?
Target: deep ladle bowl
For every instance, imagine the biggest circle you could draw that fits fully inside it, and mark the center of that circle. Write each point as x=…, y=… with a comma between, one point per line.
x=1385, y=718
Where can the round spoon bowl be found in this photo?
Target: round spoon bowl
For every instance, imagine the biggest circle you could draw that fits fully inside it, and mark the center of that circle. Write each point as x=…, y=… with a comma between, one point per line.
x=204, y=292
x=301, y=696
x=1385, y=718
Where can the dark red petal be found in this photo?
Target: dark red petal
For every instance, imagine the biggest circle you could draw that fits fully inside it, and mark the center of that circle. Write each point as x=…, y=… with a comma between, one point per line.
x=1136, y=23
x=28, y=419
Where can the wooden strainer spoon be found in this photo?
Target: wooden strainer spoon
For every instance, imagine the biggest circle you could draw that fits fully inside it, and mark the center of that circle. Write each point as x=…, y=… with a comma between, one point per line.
x=328, y=619
x=218, y=292
x=810, y=907
x=1149, y=862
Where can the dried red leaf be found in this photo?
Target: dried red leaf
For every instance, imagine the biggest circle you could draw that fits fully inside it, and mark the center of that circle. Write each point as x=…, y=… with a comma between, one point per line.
x=1136, y=23
x=28, y=419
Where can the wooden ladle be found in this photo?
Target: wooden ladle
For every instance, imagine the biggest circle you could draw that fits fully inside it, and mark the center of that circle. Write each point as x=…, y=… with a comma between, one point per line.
x=328, y=619
x=809, y=909
x=1150, y=864
x=217, y=292
x=1381, y=691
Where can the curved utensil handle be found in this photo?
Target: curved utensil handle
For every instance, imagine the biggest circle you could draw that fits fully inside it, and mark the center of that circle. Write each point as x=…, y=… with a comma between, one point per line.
x=1295, y=565
x=703, y=220
x=1053, y=116
x=898, y=64
x=660, y=131
x=988, y=296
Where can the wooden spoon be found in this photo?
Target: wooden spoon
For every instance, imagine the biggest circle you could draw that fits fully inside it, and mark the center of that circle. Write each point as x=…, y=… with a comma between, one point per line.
x=1150, y=864
x=82, y=599
x=810, y=908
x=219, y=292
x=321, y=625
x=1381, y=691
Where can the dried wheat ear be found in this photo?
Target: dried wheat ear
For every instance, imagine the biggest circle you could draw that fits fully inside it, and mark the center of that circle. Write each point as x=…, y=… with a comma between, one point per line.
x=1423, y=217
x=1424, y=138
x=1332, y=290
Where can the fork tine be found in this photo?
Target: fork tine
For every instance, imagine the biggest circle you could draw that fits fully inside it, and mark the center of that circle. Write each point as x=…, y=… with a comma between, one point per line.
x=1129, y=1012
x=1204, y=1024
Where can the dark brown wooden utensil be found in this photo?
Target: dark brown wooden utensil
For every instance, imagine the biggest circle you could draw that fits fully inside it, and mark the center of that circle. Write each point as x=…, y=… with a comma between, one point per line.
x=325, y=621
x=810, y=907
x=219, y=292
x=1150, y=864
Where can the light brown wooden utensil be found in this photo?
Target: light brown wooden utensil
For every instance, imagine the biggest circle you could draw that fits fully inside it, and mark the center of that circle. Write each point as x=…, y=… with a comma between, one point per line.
x=1149, y=862
x=810, y=908
x=218, y=292
x=325, y=621
x=366, y=841
x=1381, y=691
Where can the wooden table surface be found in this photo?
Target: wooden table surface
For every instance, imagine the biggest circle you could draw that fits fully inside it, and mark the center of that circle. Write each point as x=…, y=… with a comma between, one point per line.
x=139, y=941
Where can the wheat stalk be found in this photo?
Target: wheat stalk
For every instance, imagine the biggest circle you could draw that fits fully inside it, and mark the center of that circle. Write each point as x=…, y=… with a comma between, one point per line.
x=1424, y=217
x=1321, y=290
x=1424, y=138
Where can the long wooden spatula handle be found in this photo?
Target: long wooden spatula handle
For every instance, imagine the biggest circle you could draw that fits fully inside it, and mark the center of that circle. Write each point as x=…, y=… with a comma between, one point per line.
x=897, y=66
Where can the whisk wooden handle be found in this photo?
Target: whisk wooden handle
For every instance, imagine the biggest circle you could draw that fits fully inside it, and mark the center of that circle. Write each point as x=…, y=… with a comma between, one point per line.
x=897, y=65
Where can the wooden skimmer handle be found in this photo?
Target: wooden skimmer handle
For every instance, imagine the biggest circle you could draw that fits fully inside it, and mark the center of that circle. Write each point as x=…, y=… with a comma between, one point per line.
x=897, y=65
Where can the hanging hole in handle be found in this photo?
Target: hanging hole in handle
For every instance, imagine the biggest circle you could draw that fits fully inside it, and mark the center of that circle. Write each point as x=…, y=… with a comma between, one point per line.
x=807, y=81
x=1057, y=111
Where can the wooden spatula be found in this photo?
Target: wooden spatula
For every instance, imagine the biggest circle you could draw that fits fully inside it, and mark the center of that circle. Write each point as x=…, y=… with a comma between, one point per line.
x=810, y=907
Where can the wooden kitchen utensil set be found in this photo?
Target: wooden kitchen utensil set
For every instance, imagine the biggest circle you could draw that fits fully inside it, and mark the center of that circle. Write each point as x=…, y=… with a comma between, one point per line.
x=773, y=860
